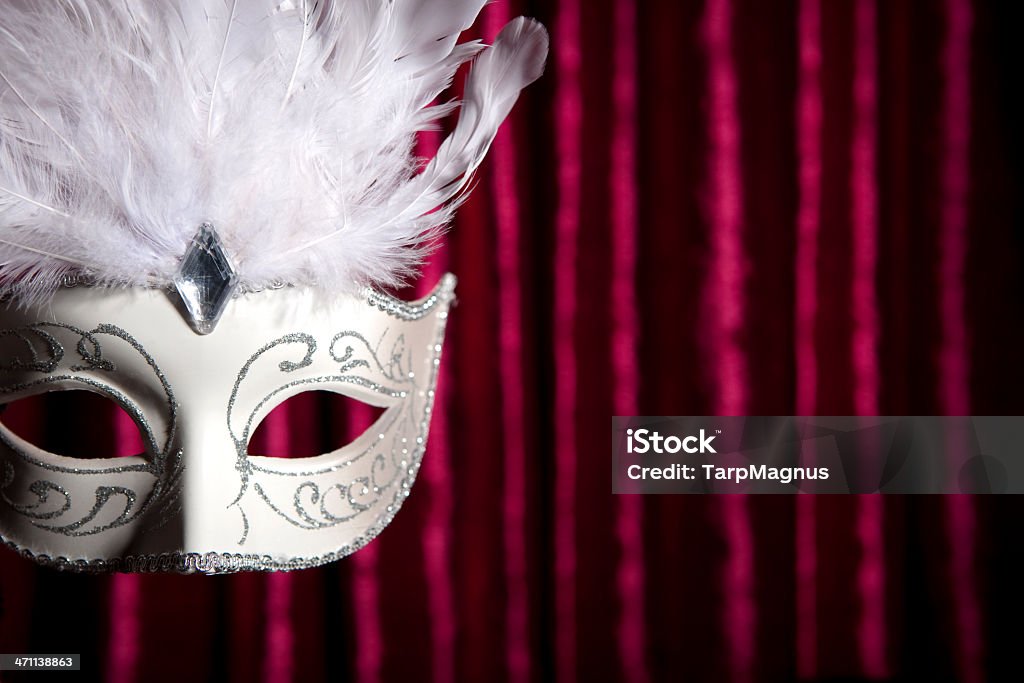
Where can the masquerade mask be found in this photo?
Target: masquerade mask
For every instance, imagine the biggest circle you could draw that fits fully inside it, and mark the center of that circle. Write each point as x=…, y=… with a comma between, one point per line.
x=196, y=499
x=230, y=185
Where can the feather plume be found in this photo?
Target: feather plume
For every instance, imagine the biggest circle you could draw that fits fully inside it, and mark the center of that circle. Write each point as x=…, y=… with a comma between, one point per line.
x=290, y=126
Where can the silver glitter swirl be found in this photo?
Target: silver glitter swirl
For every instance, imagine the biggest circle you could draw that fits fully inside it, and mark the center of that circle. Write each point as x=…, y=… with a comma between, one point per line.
x=165, y=470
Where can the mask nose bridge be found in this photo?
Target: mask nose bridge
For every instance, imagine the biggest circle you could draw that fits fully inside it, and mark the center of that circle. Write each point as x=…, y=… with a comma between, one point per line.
x=211, y=479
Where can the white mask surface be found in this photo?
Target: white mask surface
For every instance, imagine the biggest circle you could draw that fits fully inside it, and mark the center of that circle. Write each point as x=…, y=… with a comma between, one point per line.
x=196, y=500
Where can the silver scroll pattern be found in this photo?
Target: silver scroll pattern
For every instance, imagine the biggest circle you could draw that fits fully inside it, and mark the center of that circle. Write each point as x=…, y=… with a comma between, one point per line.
x=39, y=351
x=314, y=503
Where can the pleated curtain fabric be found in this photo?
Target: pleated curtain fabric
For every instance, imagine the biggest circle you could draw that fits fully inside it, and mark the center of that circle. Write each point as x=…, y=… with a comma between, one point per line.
x=714, y=207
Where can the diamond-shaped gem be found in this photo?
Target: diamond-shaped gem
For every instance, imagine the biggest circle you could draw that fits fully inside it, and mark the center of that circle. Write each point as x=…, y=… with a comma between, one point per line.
x=206, y=280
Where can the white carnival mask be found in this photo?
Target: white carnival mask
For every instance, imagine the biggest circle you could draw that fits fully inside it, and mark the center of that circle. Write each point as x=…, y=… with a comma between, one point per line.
x=229, y=186
x=196, y=499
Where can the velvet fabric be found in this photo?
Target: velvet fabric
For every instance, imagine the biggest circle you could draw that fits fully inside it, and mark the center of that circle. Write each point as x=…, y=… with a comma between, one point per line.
x=709, y=207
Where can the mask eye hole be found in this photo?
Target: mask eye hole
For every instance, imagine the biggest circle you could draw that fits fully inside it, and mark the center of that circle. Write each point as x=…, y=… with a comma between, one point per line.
x=312, y=423
x=75, y=424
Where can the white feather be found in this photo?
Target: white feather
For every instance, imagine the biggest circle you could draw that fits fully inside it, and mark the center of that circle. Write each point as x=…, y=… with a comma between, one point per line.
x=290, y=126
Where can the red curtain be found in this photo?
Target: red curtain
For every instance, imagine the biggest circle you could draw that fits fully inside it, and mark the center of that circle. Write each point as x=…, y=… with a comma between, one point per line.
x=717, y=207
